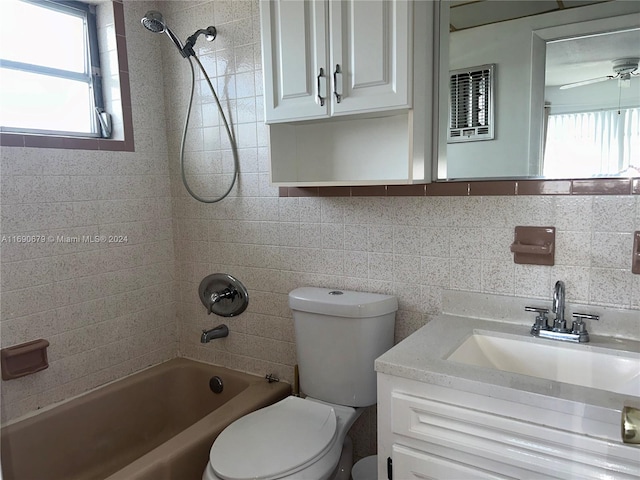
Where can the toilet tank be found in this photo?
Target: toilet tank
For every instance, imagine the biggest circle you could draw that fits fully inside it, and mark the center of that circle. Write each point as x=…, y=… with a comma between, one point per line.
x=339, y=334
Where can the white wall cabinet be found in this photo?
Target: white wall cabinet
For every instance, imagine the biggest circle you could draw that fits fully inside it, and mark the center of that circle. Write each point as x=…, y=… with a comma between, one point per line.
x=348, y=90
x=327, y=58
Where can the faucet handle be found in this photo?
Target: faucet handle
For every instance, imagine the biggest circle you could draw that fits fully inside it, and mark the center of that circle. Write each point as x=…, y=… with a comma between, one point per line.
x=579, y=327
x=585, y=316
x=541, y=319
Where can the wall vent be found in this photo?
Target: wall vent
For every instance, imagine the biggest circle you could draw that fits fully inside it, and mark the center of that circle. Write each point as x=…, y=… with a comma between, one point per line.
x=471, y=104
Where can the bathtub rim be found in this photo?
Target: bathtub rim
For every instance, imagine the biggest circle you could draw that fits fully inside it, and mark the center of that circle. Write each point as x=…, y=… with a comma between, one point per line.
x=257, y=393
x=165, y=363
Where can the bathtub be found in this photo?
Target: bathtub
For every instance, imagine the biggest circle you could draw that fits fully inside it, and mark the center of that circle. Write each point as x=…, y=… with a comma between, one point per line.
x=156, y=424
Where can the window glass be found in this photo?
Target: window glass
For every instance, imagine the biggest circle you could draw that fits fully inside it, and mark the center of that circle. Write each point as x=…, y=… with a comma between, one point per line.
x=41, y=36
x=46, y=78
x=37, y=102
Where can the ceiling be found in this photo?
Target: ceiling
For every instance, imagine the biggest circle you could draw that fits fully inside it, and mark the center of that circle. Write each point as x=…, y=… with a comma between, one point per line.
x=474, y=13
x=596, y=53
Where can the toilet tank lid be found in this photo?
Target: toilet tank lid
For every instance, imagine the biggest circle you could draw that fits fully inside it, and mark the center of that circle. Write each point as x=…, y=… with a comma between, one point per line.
x=341, y=303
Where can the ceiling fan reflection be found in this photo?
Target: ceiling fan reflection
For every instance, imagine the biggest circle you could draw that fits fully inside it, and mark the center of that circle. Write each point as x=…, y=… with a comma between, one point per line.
x=623, y=68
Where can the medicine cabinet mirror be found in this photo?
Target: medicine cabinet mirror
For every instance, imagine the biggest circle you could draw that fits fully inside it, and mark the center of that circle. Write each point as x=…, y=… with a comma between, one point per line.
x=565, y=85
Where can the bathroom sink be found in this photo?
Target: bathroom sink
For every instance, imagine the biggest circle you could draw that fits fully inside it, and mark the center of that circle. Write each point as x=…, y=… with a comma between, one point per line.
x=585, y=365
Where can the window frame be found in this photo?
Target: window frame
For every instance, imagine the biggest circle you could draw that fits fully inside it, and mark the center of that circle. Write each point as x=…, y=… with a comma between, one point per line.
x=122, y=141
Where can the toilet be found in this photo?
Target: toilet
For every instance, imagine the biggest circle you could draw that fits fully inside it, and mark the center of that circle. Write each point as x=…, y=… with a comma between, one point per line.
x=339, y=334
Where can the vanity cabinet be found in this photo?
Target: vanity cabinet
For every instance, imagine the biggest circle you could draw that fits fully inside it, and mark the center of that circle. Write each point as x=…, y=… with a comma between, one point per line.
x=431, y=431
x=329, y=58
x=348, y=89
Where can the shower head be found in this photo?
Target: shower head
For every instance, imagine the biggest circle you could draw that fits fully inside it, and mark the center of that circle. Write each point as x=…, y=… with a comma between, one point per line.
x=154, y=22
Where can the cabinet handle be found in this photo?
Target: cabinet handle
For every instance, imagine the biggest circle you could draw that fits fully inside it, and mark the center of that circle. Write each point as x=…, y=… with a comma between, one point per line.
x=320, y=97
x=337, y=71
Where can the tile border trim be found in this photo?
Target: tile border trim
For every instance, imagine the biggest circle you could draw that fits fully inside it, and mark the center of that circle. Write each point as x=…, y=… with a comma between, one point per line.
x=595, y=186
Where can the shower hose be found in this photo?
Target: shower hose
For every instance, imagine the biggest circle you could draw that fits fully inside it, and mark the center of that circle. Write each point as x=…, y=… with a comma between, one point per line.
x=234, y=148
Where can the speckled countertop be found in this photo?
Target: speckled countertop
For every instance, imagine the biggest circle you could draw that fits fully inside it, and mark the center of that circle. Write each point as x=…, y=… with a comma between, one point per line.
x=423, y=357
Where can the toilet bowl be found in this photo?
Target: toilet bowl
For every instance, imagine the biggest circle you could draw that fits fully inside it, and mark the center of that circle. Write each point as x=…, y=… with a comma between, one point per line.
x=292, y=439
x=339, y=334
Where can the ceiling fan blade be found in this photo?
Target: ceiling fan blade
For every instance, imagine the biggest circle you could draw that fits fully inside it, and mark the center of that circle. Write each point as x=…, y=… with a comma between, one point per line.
x=586, y=82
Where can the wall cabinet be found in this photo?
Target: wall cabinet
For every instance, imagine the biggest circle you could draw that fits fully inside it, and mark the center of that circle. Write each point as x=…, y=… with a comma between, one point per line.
x=348, y=86
x=328, y=58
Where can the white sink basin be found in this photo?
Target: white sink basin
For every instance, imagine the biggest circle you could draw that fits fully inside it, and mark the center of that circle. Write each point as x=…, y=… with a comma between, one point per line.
x=596, y=367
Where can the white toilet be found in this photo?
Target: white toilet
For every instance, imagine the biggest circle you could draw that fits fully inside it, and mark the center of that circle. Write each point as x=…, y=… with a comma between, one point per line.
x=339, y=334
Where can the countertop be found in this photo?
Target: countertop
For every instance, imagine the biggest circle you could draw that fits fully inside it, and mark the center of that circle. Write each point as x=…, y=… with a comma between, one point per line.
x=422, y=357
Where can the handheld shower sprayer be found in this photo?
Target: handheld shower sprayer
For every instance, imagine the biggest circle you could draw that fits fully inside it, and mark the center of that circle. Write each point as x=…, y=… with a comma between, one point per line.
x=154, y=22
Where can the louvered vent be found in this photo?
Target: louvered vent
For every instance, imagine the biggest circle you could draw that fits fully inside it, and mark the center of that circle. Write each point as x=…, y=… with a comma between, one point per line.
x=471, y=104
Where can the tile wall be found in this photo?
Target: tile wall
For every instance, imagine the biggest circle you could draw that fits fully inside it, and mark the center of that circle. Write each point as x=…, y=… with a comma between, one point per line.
x=94, y=304
x=107, y=309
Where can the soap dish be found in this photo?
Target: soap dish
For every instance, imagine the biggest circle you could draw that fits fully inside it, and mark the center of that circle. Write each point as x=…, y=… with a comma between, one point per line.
x=24, y=359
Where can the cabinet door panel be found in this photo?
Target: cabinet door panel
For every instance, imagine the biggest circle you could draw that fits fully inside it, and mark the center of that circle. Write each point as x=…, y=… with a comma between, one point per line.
x=294, y=39
x=409, y=464
x=370, y=41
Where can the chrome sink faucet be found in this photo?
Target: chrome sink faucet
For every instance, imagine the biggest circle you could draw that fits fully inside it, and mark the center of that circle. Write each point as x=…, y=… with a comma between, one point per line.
x=577, y=333
x=559, y=324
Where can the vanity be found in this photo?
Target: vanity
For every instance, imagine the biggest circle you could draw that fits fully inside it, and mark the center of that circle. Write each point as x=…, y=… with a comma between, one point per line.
x=473, y=394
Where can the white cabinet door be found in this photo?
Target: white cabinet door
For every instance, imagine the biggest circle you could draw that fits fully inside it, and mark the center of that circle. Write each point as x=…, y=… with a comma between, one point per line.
x=294, y=50
x=370, y=55
x=411, y=464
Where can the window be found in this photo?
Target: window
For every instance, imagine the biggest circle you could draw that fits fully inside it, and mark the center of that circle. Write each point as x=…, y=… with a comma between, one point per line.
x=49, y=69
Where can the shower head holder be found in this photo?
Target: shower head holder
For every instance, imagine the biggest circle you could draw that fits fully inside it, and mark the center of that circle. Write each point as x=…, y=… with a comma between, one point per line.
x=210, y=34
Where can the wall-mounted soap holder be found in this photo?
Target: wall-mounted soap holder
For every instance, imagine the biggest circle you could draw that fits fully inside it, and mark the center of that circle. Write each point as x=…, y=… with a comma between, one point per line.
x=24, y=359
x=635, y=261
x=534, y=245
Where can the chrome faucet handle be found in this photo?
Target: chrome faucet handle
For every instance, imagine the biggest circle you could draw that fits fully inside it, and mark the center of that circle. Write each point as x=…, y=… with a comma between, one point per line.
x=541, y=322
x=578, y=326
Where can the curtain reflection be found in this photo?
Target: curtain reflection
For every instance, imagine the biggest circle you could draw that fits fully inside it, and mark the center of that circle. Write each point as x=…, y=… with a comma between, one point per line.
x=586, y=144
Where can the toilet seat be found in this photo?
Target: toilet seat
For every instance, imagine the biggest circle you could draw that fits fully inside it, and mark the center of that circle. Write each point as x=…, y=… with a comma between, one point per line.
x=275, y=441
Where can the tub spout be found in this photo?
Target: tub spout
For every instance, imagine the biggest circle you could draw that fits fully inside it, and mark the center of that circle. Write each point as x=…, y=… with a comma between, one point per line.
x=217, y=332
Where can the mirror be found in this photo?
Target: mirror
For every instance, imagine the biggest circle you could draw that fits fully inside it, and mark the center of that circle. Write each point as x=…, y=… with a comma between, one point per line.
x=556, y=81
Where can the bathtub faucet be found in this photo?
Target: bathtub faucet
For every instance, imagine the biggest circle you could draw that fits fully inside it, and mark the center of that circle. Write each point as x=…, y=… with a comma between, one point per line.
x=216, y=332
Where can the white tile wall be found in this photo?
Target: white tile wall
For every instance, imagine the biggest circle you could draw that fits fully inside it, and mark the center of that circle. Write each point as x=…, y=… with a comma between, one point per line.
x=94, y=303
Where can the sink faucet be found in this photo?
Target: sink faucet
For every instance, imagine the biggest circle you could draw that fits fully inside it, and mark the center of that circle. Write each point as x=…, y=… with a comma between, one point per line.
x=217, y=332
x=578, y=331
x=559, y=324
